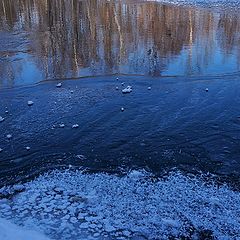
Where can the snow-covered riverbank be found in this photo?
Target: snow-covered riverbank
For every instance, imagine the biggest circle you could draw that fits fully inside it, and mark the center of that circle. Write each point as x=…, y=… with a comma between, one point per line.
x=73, y=205
x=9, y=231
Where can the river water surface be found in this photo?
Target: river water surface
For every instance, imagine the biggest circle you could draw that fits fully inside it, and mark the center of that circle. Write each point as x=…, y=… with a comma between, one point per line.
x=182, y=60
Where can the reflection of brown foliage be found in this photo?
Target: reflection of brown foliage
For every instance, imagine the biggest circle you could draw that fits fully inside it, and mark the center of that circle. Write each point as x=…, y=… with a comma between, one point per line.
x=69, y=36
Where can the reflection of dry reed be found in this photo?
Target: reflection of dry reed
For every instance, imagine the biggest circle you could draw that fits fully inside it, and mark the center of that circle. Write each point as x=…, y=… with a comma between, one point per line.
x=68, y=36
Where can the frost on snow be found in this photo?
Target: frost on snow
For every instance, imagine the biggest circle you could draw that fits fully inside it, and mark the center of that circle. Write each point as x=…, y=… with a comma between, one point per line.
x=68, y=204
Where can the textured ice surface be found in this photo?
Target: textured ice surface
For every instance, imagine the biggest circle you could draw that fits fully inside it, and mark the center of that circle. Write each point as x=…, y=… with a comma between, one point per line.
x=73, y=205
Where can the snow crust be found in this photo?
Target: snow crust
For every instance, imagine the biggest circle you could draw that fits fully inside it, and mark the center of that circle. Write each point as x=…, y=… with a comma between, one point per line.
x=9, y=231
x=75, y=205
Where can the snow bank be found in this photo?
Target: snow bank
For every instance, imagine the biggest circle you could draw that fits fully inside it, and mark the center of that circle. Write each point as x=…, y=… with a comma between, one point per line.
x=9, y=231
x=69, y=204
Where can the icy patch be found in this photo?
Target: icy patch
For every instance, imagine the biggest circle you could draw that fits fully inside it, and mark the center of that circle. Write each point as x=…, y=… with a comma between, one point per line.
x=9, y=231
x=69, y=204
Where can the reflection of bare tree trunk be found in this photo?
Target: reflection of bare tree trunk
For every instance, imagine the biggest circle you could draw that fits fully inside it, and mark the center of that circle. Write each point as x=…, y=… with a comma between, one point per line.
x=75, y=39
x=121, y=39
x=189, y=65
x=4, y=9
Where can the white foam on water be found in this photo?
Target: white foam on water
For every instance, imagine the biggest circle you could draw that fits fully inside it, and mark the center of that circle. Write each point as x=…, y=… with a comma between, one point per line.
x=73, y=205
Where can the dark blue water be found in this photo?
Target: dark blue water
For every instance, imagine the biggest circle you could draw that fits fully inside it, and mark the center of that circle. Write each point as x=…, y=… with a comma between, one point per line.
x=178, y=51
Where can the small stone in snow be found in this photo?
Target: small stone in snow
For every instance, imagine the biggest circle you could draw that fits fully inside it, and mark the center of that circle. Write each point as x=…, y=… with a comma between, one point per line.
x=9, y=136
x=28, y=148
x=61, y=125
x=30, y=103
x=2, y=119
x=206, y=89
x=122, y=109
x=75, y=126
x=149, y=88
x=59, y=85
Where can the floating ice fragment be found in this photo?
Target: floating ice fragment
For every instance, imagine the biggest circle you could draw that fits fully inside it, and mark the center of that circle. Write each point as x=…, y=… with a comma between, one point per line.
x=109, y=228
x=59, y=85
x=30, y=103
x=28, y=148
x=9, y=136
x=61, y=125
x=2, y=119
x=81, y=157
x=1, y=150
x=6, y=112
x=170, y=222
x=84, y=225
x=18, y=188
x=128, y=89
x=206, y=89
x=71, y=91
x=117, y=88
x=122, y=109
x=122, y=83
x=149, y=88
x=75, y=126
x=117, y=78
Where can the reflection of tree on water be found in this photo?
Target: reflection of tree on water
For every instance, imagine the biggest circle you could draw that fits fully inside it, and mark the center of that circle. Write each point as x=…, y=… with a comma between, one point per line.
x=73, y=38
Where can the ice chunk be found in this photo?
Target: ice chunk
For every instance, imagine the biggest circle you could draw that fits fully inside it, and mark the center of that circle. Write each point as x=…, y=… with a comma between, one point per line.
x=9, y=136
x=30, y=103
x=2, y=119
x=128, y=89
x=75, y=126
x=59, y=85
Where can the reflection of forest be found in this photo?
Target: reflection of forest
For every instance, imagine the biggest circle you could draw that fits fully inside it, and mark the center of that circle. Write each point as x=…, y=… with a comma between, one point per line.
x=103, y=36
